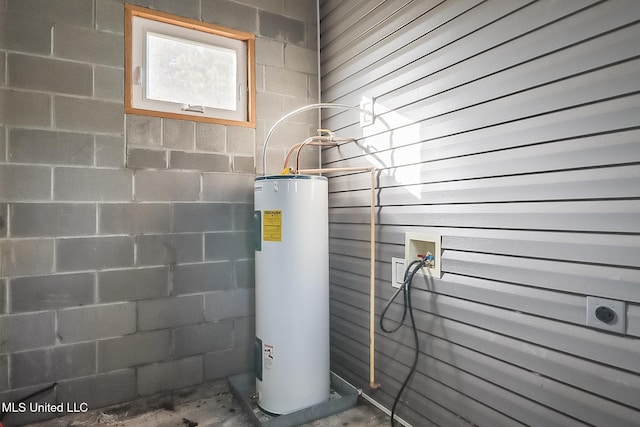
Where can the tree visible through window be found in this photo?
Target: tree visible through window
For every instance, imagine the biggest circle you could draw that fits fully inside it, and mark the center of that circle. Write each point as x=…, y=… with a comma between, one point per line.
x=187, y=69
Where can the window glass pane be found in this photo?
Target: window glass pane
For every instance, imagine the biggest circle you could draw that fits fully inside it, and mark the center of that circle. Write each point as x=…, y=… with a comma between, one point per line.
x=188, y=72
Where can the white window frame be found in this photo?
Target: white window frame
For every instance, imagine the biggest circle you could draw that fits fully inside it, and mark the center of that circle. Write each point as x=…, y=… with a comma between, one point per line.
x=140, y=21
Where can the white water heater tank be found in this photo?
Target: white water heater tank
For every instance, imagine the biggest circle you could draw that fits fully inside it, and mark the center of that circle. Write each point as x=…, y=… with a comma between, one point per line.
x=292, y=292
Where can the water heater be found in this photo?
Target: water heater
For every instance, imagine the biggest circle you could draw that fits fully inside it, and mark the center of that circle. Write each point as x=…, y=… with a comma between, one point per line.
x=292, y=292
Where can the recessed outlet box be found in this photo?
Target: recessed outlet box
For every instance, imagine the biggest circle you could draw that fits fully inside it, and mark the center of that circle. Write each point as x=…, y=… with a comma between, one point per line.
x=397, y=272
x=366, y=116
x=607, y=314
x=417, y=245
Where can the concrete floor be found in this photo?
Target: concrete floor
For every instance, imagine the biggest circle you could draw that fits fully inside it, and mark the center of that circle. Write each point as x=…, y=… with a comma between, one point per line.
x=211, y=405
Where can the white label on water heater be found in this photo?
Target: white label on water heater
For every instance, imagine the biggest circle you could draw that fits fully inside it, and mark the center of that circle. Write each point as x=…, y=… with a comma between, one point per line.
x=268, y=356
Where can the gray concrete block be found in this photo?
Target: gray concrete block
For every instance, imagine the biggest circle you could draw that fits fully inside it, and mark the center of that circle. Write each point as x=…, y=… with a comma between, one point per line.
x=50, y=147
x=270, y=106
x=96, y=321
x=275, y=161
x=99, y=390
x=313, y=88
x=228, y=245
x=3, y=296
x=145, y=158
x=133, y=284
x=4, y=372
x=311, y=37
x=201, y=217
x=241, y=140
x=23, y=418
x=134, y=218
x=22, y=33
x=170, y=312
x=226, y=187
x=281, y=28
x=28, y=109
x=301, y=59
x=301, y=10
x=243, y=216
x=170, y=375
x=110, y=151
x=4, y=210
x=244, y=273
x=134, y=350
x=244, y=331
x=74, y=12
x=194, y=278
x=243, y=164
x=163, y=249
x=202, y=338
x=52, y=219
x=297, y=130
x=186, y=8
x=270, y=5
x=51, y=292
x=26, y=257
x=52, y=364
x=269, y=52
x=50, y=75
x=231, y=15
x=3, y=138
x=94, y=253
x=209, y=162
x=27, y=331
x=286, y=82
x=304, y=119
x=88, y=45
x=229, y=304
x=92, y=184
x=167, y=185
x=179, y=134
x=88, y=115
x=143, y=131
x=109, y=15
x=108, y=82
x=260, y=79
x=22, y=182
x=211, y=137
x=224, y=363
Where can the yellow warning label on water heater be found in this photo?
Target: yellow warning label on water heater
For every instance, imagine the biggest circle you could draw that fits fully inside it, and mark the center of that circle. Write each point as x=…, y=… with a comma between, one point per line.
x=272, y=226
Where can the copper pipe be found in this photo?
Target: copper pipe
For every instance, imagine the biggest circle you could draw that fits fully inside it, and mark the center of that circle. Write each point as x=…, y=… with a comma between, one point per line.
x=309, y=141
x=333, y=142
x=293, y=113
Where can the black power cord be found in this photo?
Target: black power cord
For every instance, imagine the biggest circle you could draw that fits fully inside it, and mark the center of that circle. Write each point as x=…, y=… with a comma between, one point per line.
x=24, y=399
x=409, y=273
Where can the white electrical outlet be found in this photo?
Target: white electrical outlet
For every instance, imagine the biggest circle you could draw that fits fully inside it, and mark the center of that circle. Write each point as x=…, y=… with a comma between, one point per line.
x=418, y=245
x=607, y=314
x=397, y=272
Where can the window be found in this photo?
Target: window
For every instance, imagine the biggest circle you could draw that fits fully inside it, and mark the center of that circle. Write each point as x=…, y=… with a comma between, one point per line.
x=186, y=69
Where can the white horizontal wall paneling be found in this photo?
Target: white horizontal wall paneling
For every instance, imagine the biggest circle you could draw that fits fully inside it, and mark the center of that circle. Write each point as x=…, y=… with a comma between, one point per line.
x=511, y=129
x=582, y=373
x=449, y=65
x=611, y=116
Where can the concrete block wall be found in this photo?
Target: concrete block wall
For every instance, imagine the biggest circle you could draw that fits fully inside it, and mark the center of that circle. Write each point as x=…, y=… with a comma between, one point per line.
x=126, y=264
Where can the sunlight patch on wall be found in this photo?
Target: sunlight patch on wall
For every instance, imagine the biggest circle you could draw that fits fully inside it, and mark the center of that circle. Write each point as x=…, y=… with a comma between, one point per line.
x=384, y=144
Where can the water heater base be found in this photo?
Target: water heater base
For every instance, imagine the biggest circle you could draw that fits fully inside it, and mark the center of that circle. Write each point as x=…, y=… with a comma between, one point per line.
x=243, y=387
